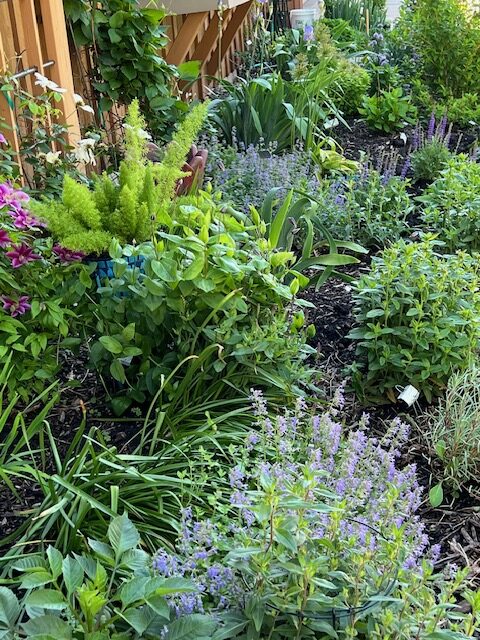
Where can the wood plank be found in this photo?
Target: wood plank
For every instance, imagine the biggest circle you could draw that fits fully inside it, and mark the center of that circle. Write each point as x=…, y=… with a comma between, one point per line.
x=29, y=46
x=56, y=42
x=7, y=115
x=185, y=37
x=239, y=14
x=208, y=42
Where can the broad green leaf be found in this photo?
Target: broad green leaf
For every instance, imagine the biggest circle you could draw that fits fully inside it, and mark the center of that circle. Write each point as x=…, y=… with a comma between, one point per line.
x=195, y=268
x=9, y=607
x=55, y=560
x=72, y=574
x=436, y=495
x=48, y=625
x=123, y=535
x=191, y=627
x=111, y=344
x=46, y=599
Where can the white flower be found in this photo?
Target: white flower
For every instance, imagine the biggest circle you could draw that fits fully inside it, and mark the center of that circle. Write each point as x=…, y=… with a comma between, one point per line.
x=45, y=83
x=78, y=98
x=141, y=133
x=52, y=157
x=84, y=151
x=87, y=108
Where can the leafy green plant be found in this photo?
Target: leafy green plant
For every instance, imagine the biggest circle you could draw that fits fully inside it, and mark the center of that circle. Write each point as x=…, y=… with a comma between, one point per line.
x=357, y=12
x=367, y=208
x=447, y=42
x=462, y=111
x=207, y=281
x=319, y=539
x=87, y=221
x=274, y=111
x=418, y=317
x=452, y=433
x=104, y=592
x=351, y=85
x=125, y=41
x=389, y=111
x=451, y=204
x=42, y=285
x=428, y=161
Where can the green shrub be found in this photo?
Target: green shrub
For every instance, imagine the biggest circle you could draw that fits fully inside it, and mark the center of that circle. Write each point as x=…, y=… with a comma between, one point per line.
x=452, y=432
x=367, y=208
x=447, y=41
x=206, y=282
x=451, y=205
x=462, y=111
x=389, y=111
x=418, y=317
x=430, y=159
x=351, y=85
x=129, y=211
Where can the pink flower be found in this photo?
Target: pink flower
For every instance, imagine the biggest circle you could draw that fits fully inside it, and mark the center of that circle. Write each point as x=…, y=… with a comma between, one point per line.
x=21, y=254
x=16, y=307
x=3, y=140
x=11, y=196
x=24, y=219
x=67, y=255
x=5, y=240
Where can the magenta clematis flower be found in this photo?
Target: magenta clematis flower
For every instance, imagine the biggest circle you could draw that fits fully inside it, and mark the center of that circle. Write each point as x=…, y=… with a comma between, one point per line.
x=67, y=255
x=5, y=240
x=3, y=140
x=24, y=219
x=21, y=254
x=11, y=196
x=16, y=307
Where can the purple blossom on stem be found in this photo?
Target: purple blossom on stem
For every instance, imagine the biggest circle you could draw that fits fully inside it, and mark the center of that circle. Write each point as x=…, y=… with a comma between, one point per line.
x=16, y=307
x=67, y=255
x=3, y=140
x=23, y=219
x=21, y=254
x=308, y=34
x=5, y=240
x=406, y=168
x=431, y=127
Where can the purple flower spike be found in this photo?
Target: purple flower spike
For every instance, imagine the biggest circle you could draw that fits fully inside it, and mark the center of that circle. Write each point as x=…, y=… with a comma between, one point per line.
x=5, y=240
x=431, y=127
x=16, y=307
x=406, y=168
x=3, y=140
x=21, y=254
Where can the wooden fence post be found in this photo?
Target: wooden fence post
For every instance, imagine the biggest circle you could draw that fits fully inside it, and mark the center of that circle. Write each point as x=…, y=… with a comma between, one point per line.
x=56, y=43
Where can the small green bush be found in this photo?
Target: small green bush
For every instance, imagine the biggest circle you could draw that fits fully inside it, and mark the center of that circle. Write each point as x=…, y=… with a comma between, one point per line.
x=452, y=432
x=389, y=111
x=462, y=111
x=367, y=208
x=451, y=205
x=418, y=317
x=352, y=83
x=129, y=211
x=430, y=159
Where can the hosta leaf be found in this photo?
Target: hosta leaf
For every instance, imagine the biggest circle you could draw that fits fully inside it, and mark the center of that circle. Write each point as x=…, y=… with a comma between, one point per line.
x=9, y=607
x=123, y=535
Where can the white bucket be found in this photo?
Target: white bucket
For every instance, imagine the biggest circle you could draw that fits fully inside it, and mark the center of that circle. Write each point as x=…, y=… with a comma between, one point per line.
x=300, y=18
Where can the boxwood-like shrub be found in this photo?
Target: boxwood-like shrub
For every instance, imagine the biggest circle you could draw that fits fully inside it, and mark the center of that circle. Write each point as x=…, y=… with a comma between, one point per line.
x=418, y=317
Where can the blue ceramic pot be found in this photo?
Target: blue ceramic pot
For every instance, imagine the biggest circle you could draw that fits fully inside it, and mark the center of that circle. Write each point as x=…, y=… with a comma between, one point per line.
x=105, y=268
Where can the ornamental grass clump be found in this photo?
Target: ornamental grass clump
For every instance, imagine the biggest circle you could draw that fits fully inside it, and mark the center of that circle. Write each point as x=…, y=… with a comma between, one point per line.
x=128, y=210
x=452, y=433
x=418, y=319
x=317, y=537
x=451, y=205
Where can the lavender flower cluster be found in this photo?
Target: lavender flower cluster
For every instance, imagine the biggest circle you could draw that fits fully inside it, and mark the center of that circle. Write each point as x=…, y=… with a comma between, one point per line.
x=372, y=500
x=251, y=173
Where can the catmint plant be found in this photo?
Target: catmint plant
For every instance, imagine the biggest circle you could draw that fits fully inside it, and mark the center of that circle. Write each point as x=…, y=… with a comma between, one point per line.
x=320, y=538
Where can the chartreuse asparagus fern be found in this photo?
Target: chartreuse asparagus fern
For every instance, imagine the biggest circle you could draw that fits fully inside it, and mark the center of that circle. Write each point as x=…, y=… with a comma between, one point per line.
x=129, y=210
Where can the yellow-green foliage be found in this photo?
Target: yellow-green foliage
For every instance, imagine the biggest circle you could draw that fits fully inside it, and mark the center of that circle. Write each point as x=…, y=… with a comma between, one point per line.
x=170, y=170
x=129, y=210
